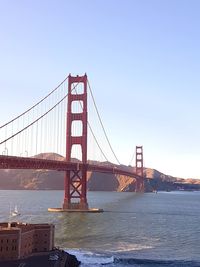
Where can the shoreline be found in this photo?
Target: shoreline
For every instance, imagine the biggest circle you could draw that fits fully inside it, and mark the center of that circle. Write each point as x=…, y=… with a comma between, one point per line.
x=55, y=257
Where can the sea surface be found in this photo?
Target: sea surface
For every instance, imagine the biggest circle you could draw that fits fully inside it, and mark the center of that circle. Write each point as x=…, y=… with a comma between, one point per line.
x=145, y=230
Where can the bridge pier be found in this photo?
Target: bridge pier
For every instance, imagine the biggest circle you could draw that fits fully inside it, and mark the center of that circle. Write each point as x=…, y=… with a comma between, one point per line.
x=74, y=206
x=139, y=186
x=75, y=190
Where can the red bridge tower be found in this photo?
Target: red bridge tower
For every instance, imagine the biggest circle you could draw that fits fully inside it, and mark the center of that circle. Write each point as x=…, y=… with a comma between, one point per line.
x=75, y=184
x=139, y=169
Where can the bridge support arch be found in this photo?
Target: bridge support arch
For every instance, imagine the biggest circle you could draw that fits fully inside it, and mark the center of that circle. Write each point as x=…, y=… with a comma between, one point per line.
x=75, y=181
x=139, y=169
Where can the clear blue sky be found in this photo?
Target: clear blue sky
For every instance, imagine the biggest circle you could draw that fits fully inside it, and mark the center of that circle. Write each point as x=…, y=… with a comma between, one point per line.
x=142, y=58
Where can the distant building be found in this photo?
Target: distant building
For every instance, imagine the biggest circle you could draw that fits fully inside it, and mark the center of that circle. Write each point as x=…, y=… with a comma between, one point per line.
x=20, y=240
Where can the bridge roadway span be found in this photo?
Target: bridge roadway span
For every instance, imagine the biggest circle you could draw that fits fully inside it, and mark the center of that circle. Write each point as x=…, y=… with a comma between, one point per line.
x=12, y=162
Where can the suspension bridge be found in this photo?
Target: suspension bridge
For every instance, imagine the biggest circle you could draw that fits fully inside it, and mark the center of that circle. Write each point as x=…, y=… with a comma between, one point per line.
x=59, y=124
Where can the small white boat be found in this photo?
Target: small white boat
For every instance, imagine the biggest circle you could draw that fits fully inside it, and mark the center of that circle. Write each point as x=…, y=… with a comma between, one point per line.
x=15, y=212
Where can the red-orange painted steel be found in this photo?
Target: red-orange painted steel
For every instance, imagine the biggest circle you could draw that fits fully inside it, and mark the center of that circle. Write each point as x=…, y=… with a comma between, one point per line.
x=76, y=180
x=11, y=162
x=139, y=168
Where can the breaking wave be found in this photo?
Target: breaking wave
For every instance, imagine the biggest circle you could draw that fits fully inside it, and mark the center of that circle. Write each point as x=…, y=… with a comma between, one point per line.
x=92, y=259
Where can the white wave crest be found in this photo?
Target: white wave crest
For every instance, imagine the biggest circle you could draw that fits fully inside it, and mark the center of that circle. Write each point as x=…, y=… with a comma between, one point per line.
x=90, y=258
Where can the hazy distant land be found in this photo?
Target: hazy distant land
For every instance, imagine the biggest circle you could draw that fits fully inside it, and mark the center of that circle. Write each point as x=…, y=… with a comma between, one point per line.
x=53, y=180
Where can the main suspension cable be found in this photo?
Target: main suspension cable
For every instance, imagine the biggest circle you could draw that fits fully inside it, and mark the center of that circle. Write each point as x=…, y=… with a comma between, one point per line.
x=35, y=121
x=35, y=104
x=95, y=139
x=100, y=120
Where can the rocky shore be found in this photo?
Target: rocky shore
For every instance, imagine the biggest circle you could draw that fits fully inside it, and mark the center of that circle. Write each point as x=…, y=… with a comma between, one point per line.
x=54, y=258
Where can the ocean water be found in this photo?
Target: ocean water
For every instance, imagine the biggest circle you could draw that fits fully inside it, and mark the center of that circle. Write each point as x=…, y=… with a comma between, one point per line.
x=149, y=229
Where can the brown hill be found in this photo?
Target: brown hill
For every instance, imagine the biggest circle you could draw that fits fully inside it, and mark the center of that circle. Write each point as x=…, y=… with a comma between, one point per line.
x=45, y=179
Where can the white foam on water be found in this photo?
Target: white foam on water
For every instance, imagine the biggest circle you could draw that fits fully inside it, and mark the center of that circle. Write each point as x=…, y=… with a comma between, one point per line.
x=90, y=258
x=127, y=247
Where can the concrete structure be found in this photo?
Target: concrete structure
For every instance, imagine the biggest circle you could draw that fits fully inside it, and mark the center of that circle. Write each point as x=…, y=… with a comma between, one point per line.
x=20, y=240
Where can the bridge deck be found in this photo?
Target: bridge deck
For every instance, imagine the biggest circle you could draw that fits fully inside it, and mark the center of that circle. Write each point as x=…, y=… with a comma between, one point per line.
x=12, y=162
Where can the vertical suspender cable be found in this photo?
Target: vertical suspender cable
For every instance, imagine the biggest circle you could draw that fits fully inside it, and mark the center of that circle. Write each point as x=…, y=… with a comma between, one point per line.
x=100, y=120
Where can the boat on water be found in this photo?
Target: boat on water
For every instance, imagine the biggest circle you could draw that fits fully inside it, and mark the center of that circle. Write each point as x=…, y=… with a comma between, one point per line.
x=15, y=212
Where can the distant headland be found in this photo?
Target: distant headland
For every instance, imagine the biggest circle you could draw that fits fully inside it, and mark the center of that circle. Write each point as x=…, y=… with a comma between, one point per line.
x=53, y=180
